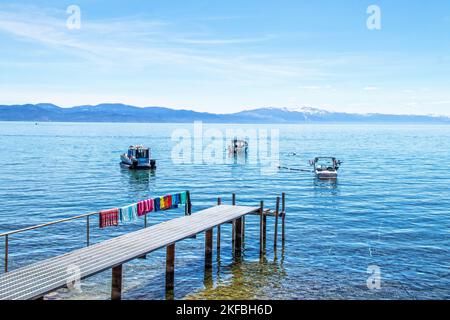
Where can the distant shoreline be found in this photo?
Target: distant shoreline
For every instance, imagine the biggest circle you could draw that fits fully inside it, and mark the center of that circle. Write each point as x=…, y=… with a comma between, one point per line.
x=120, y=113
x=437, y=123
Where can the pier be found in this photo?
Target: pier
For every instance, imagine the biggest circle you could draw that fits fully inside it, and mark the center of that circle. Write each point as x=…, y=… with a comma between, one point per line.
x=37, y=280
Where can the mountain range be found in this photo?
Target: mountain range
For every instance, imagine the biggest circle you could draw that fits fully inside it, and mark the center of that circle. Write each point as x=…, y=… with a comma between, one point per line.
x=127, y=113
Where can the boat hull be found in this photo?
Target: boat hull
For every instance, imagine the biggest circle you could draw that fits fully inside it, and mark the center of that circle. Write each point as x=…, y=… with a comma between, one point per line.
x=136, y=166
x=325, y=175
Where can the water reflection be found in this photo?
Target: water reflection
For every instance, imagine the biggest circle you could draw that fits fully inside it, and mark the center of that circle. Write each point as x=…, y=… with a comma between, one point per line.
x=325, y=186
x=138, y=180
x=247, y=280
x=238, y=158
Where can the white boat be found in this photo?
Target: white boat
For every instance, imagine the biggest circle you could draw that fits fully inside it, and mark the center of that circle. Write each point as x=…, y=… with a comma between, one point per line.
x=238, y=147
x=325, y=167
x=137, y=157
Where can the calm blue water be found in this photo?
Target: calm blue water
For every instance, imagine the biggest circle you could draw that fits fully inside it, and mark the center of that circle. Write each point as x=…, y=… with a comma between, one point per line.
x=390, y=207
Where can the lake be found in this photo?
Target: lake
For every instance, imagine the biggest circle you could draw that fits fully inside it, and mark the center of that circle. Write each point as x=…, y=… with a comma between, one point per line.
x=389, y=208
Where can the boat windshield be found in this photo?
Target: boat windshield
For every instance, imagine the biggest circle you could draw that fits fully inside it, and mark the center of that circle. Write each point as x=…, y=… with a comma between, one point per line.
x=142, y=153
x=325, y=163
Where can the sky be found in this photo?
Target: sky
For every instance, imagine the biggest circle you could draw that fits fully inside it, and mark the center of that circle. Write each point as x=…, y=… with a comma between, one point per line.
x=226, y=56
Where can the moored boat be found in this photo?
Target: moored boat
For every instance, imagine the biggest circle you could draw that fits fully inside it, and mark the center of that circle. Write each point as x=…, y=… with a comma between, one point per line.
x=325, y=167
x=238, y=147
x=137, y=157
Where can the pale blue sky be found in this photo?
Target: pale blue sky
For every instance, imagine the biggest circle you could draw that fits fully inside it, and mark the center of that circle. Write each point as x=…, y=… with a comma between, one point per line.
x=225, y=56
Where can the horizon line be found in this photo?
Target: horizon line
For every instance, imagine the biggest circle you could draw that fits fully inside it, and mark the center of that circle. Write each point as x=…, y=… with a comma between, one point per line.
x=288, y=109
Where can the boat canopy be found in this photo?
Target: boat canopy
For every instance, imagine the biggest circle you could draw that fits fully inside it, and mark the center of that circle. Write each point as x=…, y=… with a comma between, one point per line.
x=139, y=152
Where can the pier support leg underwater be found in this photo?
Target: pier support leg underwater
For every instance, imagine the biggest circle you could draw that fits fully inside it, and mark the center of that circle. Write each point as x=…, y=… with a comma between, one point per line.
x=170, y=267
x=116, y=283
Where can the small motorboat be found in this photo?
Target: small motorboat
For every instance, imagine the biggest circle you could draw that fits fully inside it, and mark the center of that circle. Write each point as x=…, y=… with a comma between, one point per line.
x=238, y=147
x=325, y=167
x=137, y=157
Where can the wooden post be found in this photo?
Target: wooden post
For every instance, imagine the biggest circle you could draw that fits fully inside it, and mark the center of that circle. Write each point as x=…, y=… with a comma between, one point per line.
x=208, y=248
x=6, y=252
x=261, y=213
x=243, y=230
x=87, y=232
x=233, y=225
x=264, y=230
x=219, y=202
x=238, y=240
x=188, y=209
x=116, y=283
x=277, y=209
x=188, y=202
x=170, y=267
x=283, y=210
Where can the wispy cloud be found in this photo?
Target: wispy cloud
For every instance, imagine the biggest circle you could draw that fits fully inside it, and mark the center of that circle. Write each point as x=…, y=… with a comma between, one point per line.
x=370, y=88
x=310, y=87
x=139, y=43
x=223, y=41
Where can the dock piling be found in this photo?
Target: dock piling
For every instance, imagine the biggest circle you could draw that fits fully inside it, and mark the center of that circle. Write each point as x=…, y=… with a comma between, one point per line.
x=170, y=267
x=261, y=214
x=275, y=237
x=208, y=248
x=238, y=240
x=188, y=203
x=264, y=230
x=116, y=283
x=233, y=225
x=283, y=217
x=219, y=202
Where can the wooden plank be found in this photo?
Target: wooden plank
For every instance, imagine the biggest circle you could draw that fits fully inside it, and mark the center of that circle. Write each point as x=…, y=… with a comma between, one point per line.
x=51, y=274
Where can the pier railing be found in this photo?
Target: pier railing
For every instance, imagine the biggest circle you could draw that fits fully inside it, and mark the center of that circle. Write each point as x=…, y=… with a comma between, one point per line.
x=7, y=235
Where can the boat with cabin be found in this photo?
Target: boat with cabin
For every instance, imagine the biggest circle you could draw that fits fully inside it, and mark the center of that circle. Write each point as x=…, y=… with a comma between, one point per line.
x=137, y=157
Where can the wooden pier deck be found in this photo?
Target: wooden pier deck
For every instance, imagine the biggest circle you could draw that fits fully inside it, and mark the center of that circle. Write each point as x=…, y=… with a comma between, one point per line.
x=39, y=279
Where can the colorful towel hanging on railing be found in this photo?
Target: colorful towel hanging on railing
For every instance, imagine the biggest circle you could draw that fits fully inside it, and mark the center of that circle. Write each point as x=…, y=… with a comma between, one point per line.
x=176, y=199
x=108, y=218
x=183, y=197
x=145, y=207
x=128, y=213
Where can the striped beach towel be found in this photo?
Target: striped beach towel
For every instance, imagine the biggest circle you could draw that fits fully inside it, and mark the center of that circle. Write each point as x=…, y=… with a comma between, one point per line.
x=108, y=218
